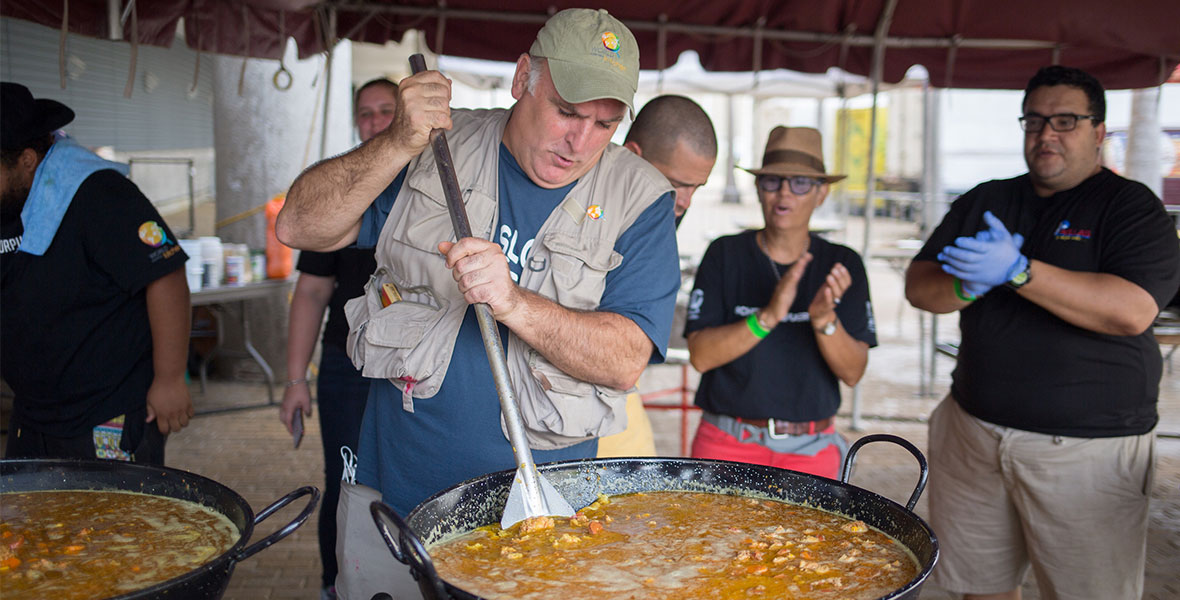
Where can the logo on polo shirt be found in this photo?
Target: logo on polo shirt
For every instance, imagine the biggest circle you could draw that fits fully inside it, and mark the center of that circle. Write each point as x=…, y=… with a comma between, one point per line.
x=1072, y=234
x=152, y=234
x=594, y=211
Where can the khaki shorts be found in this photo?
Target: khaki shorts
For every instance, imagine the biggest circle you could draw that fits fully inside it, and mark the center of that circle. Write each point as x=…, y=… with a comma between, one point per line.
x=1002, y=499
x=636, y=439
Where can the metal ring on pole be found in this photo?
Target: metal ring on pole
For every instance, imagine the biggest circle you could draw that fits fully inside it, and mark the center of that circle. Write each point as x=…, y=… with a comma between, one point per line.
x=282, y=78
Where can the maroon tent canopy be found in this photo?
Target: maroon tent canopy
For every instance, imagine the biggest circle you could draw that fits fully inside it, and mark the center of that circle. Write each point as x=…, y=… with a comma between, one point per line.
x=968, y=43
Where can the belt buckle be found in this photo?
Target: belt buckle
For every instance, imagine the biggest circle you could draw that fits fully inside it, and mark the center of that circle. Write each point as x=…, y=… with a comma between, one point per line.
x=772, y=431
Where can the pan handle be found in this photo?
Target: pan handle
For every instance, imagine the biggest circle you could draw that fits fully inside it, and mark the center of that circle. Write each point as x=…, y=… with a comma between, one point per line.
x=289, y=527
x=923, y=468
x=408, y=550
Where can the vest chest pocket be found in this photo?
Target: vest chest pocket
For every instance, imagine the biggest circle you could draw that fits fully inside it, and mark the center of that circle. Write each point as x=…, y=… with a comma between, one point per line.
x=559, y=410
x=425, y=219
x=579, y=269
x=382, y=339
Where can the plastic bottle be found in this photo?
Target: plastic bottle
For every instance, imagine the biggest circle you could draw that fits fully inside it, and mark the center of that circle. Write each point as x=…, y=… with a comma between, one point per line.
x=213, y=259
x=235, y=264
x=278, y=256
x=243, y=251
x=258, y=263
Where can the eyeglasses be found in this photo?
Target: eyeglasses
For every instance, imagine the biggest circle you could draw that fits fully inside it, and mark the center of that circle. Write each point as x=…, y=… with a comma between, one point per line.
x=1034, y=123
x=798, y=184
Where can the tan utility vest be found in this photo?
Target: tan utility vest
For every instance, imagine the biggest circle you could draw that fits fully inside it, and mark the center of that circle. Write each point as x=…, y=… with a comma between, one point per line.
x=411, y=342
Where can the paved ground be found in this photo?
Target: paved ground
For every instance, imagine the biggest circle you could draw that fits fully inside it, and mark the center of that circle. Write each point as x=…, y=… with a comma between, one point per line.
x=249, y=451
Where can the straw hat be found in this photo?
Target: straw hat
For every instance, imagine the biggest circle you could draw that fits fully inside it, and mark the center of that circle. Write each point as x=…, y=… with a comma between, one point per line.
x=795, y=151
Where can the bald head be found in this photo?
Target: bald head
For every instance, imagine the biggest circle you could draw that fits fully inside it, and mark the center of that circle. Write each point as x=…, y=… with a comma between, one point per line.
x=666, y=120
x=675, y=135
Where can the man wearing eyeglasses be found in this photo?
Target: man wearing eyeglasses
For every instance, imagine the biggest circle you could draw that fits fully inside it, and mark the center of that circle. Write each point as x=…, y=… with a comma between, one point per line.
x=1042, y=453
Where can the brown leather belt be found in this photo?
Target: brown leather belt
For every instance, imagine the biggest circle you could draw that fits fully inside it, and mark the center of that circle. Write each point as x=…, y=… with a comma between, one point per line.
x=777, y=428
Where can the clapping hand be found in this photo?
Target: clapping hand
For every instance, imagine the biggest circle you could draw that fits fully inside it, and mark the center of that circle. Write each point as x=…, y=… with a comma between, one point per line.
x=989, y=258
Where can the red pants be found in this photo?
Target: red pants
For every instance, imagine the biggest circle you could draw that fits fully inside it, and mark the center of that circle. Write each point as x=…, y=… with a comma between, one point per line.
x=711, y=442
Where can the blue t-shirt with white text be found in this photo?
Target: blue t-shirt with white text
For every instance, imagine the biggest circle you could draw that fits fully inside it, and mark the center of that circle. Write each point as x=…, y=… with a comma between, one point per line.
x=456, y=435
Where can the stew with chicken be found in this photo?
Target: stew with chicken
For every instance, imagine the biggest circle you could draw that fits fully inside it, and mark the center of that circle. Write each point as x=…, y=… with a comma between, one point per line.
x=675, y=545
x=86, y=544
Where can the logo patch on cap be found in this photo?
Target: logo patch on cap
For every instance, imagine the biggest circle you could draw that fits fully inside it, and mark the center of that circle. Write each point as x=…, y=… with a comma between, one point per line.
x=152, y=234
x=594, y=211
x=610, y=41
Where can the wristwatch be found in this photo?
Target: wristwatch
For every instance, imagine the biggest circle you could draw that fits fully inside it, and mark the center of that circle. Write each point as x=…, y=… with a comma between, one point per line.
x=828, y=329
x=1020, y=279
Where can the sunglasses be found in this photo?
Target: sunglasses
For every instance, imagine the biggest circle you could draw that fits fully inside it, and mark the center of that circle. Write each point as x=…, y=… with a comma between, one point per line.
x=798, y=184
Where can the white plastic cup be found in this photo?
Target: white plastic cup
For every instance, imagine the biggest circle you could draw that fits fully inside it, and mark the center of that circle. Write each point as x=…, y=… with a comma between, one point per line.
x=194, y=269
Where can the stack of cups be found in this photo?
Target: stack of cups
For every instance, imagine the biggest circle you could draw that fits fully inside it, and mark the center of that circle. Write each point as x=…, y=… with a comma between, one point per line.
x=211, y=257
x=194, y=268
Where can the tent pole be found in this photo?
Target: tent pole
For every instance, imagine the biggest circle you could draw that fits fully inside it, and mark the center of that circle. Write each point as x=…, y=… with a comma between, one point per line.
x=842, y=157
x=719, y=31
x=871, y=180
x=730, y=196
x=878, y=71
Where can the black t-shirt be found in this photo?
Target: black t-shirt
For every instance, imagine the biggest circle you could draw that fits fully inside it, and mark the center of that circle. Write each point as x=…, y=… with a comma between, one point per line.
x=352, y=268
x=784, y=376
x=1021, y=366
x=74, y=327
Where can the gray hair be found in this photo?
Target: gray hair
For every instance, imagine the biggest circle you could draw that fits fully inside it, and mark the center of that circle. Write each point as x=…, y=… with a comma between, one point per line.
x=535, y=64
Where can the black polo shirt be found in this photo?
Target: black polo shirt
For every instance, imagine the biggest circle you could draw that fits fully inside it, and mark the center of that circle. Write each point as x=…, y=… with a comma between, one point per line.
x=1021, y=366
x=352, y=268
x=75, y=342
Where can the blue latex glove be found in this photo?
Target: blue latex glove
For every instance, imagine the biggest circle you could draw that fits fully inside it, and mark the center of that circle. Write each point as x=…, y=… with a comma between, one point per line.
x=972, y=288
x=986, y=260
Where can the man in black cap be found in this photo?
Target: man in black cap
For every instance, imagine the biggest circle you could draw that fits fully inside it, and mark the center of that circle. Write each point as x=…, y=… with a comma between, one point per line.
x=95, y=318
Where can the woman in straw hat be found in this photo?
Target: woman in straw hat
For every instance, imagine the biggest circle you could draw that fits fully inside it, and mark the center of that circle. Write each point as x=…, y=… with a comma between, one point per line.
x=776, y=317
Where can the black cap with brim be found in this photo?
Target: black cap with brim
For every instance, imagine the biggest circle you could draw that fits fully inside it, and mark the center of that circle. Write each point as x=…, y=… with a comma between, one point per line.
x=23, y=118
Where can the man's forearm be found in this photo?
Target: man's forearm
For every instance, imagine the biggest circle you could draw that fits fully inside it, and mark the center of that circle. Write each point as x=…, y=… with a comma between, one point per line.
x=1099, y=302
x=599, y=347
x=929, y=288
x=324, y=206
x=169, y=316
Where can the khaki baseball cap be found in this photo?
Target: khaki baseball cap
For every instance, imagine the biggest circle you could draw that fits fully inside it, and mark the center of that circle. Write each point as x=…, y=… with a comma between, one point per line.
x=591, y=55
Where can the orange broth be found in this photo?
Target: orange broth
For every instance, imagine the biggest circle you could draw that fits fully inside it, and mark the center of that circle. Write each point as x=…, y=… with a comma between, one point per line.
x=86, y=544
x=676, y=545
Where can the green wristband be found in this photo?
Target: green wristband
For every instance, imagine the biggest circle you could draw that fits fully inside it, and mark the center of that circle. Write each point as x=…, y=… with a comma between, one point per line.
x=961, y=294
x=756, y=327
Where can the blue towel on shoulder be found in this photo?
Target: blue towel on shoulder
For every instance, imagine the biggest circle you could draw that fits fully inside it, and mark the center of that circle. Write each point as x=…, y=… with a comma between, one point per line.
x=61, y=172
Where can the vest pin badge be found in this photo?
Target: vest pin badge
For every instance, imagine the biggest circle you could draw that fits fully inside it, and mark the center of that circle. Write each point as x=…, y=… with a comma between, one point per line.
x=594, y=211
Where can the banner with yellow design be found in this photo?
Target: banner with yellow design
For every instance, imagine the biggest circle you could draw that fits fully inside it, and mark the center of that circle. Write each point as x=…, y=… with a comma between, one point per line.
x=856, y=121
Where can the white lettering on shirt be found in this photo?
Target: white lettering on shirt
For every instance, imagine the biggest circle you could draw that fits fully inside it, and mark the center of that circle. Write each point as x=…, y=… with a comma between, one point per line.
x=508, y=239
x=9, y=245
x=795, y=317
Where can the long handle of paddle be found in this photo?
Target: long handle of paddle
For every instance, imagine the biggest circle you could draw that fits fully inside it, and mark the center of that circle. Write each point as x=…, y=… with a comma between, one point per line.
x=535, y=505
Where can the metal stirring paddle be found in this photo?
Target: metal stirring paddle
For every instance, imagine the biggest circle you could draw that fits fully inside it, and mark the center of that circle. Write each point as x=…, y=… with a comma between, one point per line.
x=531, y=495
